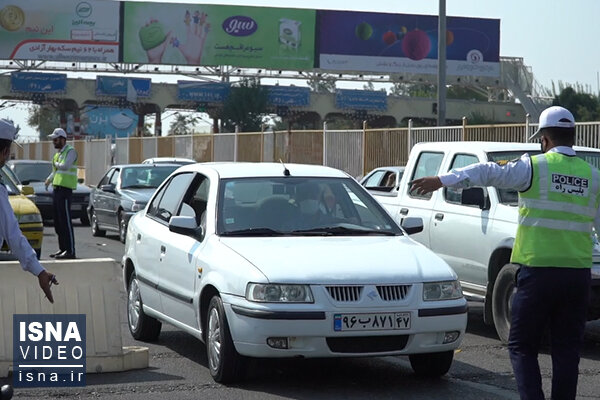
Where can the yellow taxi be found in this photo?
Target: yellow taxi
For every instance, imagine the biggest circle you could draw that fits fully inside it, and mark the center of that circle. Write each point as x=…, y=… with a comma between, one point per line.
x=28, y=215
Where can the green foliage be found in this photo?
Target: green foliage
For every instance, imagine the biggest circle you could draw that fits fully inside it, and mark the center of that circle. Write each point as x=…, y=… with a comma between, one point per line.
x=245, y=107
x=183, y=124
x=322, y=84
x=44, y=119
x=584, y=106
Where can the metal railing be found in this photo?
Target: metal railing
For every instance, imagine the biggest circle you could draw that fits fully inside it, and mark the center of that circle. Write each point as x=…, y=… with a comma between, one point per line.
x=354, y=151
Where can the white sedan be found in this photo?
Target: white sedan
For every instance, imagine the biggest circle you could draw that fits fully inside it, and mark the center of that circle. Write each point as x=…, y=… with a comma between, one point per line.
x=273, y=260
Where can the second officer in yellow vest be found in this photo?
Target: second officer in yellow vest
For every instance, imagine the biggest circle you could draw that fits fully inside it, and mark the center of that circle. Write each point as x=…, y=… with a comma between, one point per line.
x=559, y=196
x=63, y=180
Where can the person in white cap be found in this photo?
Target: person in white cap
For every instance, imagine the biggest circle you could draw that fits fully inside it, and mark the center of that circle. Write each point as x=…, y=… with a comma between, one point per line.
x=559, y=198
x=64, y=180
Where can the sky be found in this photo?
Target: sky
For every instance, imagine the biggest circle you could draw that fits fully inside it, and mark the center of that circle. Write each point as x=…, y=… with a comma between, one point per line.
x=555, y=38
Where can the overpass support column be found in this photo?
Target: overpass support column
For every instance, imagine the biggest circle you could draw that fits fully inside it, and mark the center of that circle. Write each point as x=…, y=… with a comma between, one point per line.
x=158, y=123
x=139, y=131
x=76, y=122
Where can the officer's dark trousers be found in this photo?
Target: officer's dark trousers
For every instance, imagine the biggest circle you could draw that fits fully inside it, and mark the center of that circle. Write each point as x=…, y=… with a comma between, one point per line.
x=556, y=298
x=62, y=219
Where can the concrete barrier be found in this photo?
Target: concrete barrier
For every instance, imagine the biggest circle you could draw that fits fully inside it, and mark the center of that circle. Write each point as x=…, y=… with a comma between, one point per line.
x=87, y=286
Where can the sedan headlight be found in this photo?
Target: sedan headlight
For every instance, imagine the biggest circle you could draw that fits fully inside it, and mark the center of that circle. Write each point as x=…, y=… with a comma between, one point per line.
x=278, y=293
x=29, y=218
x=138, y=206
x=448, y=290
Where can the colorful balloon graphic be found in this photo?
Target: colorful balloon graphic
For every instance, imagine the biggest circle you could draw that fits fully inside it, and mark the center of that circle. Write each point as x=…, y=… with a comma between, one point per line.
x=416, y=45
x=363, y=31
x=389, y=38
x=449, y=38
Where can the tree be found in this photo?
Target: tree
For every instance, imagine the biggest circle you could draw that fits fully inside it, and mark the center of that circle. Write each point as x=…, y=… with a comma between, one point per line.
x=183, y=124
x=44, y=119
x=584, y=106
x=246, y=107
x=322, y=84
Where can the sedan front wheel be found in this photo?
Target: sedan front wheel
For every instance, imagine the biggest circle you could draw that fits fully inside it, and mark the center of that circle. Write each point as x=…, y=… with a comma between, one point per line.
x=224, y=362
x=141, y=326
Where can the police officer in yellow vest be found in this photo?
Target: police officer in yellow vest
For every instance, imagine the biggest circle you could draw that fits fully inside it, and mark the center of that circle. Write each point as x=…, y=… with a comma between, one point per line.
x=64, y=180
x=558, y=207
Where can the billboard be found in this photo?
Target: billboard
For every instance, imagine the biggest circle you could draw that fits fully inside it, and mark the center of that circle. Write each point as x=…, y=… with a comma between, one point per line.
x=38, y=82
x=361, y=99
x=202, y=91
x=402, y=43
x=200, y=34
x=61, y=30
x=100, y=121
x=122, y=87
x=288, y=96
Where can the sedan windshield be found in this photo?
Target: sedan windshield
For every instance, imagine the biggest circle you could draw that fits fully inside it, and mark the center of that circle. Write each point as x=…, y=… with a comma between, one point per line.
x=32, y=172
x=146, y=176
x=509, y=196
x=8, y=183
x=275, y=206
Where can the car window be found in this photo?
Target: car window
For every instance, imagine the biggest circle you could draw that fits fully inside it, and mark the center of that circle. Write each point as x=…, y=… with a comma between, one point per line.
x=148, y=176
x=172, y=196
x=428, y=164
x=374, y=179
x=382, y=180
x=106, y=178
x=115, y=177
x=195, y=202
x=32, y=172
x=454, y=195
x=297, y=206
x=11, y=188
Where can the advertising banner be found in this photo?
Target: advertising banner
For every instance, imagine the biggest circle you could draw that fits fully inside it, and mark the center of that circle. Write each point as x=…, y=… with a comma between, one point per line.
x=199, y=34
x=202, y=91
x=122, y=87
x=402, y=43
x=102, y=121
x=361, y=99
x=288, y=96
x=60, y=30
x=38, y=82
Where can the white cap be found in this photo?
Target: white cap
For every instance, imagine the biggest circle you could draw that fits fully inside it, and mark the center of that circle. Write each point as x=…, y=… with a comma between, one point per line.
x=58, y=132
x=554, y=117
x=7, y=130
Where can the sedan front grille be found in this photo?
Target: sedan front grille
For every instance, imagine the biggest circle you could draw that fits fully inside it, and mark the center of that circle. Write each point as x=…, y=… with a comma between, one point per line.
x=393, y=293
x=345, y=293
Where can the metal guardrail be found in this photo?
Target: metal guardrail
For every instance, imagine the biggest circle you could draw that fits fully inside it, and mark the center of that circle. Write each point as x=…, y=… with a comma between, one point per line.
x=354, y=151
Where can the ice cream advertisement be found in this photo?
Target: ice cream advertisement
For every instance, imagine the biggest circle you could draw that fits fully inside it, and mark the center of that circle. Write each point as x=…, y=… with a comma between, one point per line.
x=86, y=31
x=199, y=34
x=404, y=43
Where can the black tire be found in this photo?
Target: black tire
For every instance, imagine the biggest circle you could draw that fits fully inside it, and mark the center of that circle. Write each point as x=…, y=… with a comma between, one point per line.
x=38, y=253
x=431, y=364
x=141, y=326
x=122, y=228
x=224, y=362
x=96, y=231
x=504, y=289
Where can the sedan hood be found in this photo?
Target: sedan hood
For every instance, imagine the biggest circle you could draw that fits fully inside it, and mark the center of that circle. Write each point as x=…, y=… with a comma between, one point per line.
x=138, y=195
x=331, y=260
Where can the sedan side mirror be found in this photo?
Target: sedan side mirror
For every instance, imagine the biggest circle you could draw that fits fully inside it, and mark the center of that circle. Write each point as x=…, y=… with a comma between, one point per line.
x=412, y=225
x=185, y=226
x=108, y=188
x=474, y=197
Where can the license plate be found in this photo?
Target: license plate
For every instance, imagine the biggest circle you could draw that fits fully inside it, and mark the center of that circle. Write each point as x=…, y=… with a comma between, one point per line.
x=371, y=322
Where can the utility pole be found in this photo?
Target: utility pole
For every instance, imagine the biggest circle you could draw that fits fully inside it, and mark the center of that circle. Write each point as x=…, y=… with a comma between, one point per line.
x=441, y=92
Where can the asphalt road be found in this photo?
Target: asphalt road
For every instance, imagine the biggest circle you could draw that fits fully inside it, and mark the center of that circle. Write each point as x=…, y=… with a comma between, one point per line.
x=178, y=365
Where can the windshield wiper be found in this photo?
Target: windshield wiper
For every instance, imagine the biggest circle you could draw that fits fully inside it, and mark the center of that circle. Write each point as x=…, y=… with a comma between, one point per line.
x=254, y=232
x=136, y=187
x=341, y=230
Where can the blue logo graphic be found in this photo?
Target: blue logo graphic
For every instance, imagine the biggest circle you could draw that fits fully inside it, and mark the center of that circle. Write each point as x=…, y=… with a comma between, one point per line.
x=48, y=350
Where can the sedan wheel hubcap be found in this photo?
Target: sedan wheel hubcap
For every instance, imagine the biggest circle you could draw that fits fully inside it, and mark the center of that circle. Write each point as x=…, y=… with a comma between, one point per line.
x=214, y=340
x=134, y=304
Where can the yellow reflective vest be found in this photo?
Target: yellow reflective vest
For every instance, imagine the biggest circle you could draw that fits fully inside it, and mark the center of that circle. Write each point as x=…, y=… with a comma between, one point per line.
x=556, y=213
x=68, y=178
